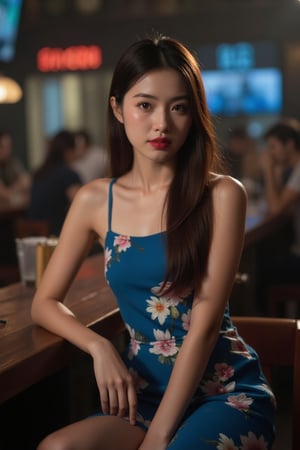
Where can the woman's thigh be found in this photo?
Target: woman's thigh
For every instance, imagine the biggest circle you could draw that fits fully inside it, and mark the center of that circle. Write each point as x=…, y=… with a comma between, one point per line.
x=217, y=425
x=95, y=433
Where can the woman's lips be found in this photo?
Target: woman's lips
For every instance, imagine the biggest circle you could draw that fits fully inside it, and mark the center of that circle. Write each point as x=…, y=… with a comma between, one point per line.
x=160, y=143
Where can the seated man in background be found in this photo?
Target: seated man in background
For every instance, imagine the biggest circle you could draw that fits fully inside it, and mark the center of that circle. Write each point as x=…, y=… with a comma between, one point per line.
x=280, y=164
x=15, y=181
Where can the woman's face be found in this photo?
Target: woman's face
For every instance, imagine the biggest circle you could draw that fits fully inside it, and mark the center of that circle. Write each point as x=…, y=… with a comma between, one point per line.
x=156, y=114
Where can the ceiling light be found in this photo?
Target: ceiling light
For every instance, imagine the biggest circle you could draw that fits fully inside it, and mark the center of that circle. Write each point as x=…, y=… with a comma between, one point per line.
x=10, y=91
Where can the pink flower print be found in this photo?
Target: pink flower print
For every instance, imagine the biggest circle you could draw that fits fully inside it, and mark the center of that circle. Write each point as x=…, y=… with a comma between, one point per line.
x=237, y=344
x=164, y=345
x=107, y=258
x=240, y=402
x=139, y=382
x=122, y=242
x=239, y=347
x=230, y=334
x=224, y=371
x=158, y=307
x=251, y=442
x=134, y=343
x=186, y=320
x=216, y=388
x=225, y=443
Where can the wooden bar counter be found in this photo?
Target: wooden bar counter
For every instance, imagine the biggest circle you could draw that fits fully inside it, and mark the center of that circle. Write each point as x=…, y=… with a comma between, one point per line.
x=29, y=353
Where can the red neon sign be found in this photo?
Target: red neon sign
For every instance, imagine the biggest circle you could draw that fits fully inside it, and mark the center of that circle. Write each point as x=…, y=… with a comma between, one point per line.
x=82, y=57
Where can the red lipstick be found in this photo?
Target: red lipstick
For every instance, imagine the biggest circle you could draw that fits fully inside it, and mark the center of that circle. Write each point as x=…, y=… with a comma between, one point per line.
x=160, y=143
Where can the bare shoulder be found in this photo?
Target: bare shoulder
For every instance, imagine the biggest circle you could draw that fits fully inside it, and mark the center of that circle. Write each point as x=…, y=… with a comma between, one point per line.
x=227, y=189
x=229, y=198
x=93, y=193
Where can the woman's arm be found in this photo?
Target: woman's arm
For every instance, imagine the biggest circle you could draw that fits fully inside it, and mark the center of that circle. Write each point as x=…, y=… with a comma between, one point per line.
x=87, y=217
x=229, y=206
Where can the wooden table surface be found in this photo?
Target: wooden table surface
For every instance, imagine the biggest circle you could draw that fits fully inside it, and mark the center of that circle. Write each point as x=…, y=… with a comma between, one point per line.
x=29, y=353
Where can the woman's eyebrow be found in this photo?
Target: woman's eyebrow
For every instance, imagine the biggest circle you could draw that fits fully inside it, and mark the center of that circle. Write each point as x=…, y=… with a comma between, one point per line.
x=153, y=97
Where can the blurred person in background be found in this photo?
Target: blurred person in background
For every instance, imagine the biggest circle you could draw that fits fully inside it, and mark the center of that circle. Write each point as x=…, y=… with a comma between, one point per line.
x=280, y=165
x=242, y=160
x=55, y=183
x=15, y=181
x=92, y=160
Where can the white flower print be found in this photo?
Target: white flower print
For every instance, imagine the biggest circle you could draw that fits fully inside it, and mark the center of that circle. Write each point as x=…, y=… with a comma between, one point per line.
x=107, y=258
x=225, y=443
x=251, y=442
x=122, y=242
x=158, y=307
x=186, y=320
x=240, y=402
x=164, y=345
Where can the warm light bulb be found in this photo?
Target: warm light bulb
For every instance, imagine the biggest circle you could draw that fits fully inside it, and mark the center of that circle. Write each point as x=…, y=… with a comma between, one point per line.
x=10, y=91
x=2, y=93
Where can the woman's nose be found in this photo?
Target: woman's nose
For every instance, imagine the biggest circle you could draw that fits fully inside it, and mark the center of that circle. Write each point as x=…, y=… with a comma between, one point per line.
x=161, y=121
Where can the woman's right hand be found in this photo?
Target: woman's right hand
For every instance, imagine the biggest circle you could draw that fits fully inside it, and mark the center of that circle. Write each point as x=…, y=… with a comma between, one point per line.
x=115, y=383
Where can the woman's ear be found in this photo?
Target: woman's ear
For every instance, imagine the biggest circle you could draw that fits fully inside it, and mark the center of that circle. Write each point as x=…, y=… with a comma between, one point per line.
x=117, y=110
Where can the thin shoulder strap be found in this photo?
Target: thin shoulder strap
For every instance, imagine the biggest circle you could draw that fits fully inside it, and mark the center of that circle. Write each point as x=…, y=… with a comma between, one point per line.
x=110, y=201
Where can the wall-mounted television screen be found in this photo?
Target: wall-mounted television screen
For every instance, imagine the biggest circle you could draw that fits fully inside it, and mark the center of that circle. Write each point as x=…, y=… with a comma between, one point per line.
x=10, y=11
x=240, y=92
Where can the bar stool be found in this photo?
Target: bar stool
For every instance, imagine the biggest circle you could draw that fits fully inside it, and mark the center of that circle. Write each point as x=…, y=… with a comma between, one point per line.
x=283, y=295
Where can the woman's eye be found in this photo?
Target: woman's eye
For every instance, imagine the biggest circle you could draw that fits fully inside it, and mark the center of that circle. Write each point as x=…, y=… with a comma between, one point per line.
x=145, y=106
x=181, y=108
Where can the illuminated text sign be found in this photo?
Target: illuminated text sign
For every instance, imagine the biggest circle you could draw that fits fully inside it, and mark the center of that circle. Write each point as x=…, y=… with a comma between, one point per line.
x=74, y=58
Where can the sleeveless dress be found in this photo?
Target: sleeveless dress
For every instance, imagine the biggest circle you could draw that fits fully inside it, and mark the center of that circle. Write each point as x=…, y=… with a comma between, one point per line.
x=233, y=407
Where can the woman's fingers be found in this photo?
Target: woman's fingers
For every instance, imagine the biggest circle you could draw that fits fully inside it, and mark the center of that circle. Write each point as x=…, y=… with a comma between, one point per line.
x=132, y=400
x=113, y=401
x=119, y=400
x=104, y=400
x=123, y=402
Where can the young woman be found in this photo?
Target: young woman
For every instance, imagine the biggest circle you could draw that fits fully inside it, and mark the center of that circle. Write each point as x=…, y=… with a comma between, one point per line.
x=172, y=230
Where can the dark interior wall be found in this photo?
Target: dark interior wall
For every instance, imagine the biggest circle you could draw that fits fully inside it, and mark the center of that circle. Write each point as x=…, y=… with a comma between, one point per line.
x=277, y=21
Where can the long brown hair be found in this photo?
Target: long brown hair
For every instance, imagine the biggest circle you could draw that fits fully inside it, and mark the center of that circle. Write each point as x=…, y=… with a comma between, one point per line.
x=189, y=209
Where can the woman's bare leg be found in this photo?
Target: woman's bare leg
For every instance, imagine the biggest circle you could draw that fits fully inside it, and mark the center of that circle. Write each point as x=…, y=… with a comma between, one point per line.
x=95, y=433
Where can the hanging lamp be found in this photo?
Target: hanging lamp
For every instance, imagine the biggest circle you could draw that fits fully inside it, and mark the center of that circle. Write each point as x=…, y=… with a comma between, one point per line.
x=10, y=91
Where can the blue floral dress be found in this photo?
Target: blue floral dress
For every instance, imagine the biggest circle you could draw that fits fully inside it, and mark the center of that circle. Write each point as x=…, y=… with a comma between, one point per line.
x=233, y=407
